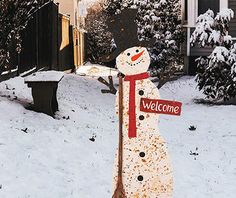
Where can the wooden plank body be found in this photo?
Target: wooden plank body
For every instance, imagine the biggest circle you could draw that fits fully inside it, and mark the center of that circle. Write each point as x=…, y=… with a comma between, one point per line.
x=147, y=170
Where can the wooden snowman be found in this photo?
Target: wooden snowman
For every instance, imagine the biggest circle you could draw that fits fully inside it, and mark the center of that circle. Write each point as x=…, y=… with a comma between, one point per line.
x=146, y=168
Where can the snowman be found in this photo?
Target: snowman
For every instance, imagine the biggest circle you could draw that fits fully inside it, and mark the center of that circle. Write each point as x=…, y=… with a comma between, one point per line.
x=146, y=168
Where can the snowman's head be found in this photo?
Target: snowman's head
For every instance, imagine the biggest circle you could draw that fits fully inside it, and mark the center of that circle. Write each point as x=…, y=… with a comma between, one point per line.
x=133, y=61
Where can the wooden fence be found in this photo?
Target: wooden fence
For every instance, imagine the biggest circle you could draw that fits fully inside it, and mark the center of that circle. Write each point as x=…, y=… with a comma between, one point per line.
x=79, y=47
x=50, y=42
x=66, y=60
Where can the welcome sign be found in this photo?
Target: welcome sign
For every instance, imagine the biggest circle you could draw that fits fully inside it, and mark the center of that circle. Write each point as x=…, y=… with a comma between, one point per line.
x=160, y=106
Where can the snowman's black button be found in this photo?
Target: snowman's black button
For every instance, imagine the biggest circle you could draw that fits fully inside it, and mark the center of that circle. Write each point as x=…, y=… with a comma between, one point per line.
x=141, y=92
x=141, y=117
x=140, y=178
x=142, y=154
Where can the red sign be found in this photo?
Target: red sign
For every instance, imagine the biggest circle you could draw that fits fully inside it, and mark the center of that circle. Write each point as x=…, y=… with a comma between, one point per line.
x=160, y=106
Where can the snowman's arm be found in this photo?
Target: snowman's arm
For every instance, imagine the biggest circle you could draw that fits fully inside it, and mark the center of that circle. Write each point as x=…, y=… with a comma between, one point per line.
x=109, y=84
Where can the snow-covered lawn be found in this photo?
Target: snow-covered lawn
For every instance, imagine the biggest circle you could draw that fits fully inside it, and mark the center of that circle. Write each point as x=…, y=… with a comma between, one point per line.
x=96, y=70
x=72, y=156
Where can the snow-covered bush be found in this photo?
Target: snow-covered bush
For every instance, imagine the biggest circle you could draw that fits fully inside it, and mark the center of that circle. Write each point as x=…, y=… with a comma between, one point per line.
x=14, y=15
x=216, y=74
x=160, y=22
x=212, y=30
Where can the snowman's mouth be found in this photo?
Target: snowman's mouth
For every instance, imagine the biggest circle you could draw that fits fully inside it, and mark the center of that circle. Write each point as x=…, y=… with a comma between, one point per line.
x=134, y=64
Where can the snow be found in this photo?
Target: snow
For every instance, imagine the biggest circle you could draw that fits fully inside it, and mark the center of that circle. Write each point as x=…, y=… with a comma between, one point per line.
x=51, y=76
x=228, y=39
x=222, y=54
x=9, y=71
x=210, y=30
x=204, y=25
x=169, y=43
x=225, y=15
x=42, y=157
x=28, y=71
x=163, y=2
x=146, y=17
x=215, y=36
x=206, y=17
x=232, y=57
x=155, y=18
x=94, y=70
x=233, y=70
x=218, y=55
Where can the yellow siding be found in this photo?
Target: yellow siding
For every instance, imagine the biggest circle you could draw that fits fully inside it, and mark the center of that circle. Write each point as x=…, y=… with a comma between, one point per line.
x=65, y=32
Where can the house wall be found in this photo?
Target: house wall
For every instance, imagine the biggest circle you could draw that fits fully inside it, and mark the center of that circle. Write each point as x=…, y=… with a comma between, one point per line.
x=69, y=7
x=79, y=47
x=232, y=27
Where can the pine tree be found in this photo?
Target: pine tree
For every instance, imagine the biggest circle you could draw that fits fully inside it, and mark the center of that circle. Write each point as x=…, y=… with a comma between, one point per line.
x=160, y=22
x=14, y=15
x=216, y=74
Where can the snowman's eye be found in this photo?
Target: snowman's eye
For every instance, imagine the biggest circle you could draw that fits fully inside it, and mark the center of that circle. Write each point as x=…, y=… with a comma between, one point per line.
x=128, y=54
x=137, y=51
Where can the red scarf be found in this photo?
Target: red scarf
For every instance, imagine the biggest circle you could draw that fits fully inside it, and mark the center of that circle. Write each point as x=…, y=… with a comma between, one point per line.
x=132, y=113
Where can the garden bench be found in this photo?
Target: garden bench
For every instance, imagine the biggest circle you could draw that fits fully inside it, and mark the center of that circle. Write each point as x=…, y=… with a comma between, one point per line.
x=44, y=91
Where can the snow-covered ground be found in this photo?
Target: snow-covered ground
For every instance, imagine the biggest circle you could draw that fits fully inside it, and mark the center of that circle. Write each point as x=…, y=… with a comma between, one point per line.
x=96, y=70
x=72, y=156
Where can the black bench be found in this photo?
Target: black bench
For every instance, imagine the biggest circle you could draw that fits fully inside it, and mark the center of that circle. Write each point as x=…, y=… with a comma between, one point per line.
x=44, y=91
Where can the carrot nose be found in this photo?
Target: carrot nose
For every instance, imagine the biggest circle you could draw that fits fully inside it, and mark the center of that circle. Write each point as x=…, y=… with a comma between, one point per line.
x=135, y=57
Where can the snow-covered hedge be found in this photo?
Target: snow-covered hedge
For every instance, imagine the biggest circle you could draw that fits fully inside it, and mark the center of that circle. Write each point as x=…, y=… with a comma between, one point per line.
x=212, y=30
x=216, y=74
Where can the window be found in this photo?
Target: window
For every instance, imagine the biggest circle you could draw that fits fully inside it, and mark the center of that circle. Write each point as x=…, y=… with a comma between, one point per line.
x=204, y=5
x=232, y=25
x=185, y=10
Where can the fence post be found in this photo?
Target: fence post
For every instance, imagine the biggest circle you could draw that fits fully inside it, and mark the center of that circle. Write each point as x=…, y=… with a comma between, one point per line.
x=37, y=37
x=58, y=44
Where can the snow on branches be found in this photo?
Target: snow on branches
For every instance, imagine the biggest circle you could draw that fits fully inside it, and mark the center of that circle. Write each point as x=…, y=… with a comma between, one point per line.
x=224, y=15
x=212, y=30
x=216, y=74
